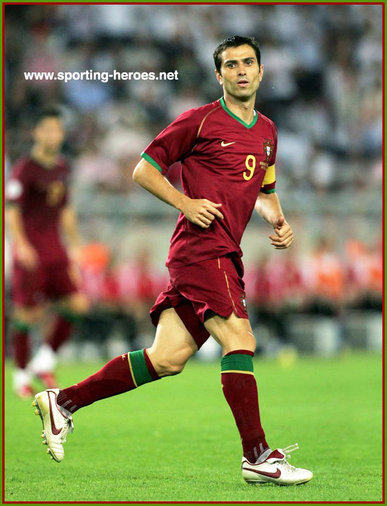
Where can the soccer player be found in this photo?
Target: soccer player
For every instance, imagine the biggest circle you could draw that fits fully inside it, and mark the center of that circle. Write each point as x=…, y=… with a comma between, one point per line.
x=37, y=214
x=227, y=150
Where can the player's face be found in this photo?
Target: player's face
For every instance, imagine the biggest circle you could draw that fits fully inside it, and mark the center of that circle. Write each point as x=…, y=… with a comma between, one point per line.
x=240, y=73
x=49, y=134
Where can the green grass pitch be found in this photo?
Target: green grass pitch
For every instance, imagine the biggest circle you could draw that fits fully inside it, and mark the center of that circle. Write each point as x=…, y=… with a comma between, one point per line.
x=175, y=440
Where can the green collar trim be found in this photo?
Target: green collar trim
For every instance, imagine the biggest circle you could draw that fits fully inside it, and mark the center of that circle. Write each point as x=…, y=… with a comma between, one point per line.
x=223, y=104
x=45, y=167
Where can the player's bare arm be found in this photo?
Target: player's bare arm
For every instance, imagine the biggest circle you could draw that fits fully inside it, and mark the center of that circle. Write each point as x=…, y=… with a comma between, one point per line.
x=201, y=212
x=25, y=252
x=268, y=206
x=69, y=225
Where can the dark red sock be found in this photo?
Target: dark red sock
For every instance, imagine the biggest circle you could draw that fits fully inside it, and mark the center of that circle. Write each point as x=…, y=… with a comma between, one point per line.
x=60, y=332
x=120, y=375
x=240, y=391
x=21, y=347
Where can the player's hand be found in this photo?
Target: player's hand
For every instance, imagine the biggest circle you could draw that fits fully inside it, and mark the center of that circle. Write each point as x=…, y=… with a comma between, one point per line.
x=75, y=254
x=27, y=256
x=75, y=257
x=283, y=236
x=201, y=212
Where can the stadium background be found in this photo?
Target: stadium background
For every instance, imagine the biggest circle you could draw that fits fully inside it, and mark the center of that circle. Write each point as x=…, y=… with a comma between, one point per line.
x=322, y=87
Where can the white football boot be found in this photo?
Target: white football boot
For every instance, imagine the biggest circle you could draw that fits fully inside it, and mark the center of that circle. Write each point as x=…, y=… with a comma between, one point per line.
x=56, y=422
x=275, y=469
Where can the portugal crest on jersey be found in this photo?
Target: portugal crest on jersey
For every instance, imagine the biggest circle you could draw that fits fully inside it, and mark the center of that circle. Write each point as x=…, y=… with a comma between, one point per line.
x=268, y=147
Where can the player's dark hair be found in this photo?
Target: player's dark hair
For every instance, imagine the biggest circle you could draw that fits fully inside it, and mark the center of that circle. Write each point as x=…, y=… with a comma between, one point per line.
x=235, y=41
x=48, y=112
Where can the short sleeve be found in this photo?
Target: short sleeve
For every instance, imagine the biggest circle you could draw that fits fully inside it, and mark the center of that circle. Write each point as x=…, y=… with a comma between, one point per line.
x=274, y=153
x=174, y=142
x=268, y=184
x=66, y=184
x=16, y=186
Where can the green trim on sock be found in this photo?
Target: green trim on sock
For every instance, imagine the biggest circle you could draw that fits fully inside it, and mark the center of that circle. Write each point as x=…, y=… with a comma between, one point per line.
x=68, y=315
x=139, y=367
x=237, y=362
x=21, y=326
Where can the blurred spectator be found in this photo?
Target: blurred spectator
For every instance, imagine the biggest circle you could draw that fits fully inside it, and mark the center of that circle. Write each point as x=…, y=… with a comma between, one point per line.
x=95, y=171
x=108, y=312
x=267, y=295
x=139, y=283
x=364, y=275
x=323, y=273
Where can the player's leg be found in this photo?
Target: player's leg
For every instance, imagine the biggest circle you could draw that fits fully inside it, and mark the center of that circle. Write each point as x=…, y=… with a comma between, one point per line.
x=71, y=305
x=259, y=463
x=216, y=290
x=70, y=310
x=24, y=319
x=172, y=347
x=27, y=312
x=238, y=382
x=76, y=303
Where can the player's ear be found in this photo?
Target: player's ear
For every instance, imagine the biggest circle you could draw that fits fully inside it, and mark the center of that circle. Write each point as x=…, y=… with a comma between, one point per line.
x=218, y=77
x=35, y=133
x=260, y=73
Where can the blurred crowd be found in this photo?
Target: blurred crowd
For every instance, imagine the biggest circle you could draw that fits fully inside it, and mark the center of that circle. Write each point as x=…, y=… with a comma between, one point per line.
x=322, y=84
x=322, y=87
x=320, y=282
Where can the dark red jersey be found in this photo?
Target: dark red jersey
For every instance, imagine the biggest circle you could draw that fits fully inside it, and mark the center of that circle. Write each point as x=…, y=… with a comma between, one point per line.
x=41, y=194
x=220, y=156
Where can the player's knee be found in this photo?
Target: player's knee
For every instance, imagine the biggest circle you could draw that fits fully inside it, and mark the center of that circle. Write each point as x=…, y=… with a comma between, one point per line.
x=167, y=367
x=28, y=316
x=78, y=304
x=241, y=342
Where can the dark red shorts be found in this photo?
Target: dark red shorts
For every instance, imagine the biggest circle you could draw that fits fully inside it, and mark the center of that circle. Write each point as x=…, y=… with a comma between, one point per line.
x=47, y=282
x=195, y=291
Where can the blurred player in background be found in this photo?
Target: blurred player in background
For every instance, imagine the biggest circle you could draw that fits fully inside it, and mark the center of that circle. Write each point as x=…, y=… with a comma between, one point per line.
x=38, y=214
x=228, y=151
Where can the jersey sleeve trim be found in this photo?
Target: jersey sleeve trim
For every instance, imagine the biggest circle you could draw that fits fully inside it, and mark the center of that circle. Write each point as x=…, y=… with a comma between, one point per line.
x=151, y=161
x=267, y=190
